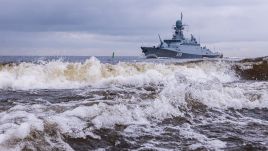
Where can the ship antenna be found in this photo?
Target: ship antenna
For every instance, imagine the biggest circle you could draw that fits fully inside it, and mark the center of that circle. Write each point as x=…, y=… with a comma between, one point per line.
x=160, y=39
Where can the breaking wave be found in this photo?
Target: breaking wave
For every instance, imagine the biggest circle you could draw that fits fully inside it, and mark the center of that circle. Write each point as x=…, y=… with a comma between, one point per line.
x=64, y=75
x=203, y=80
x=253, y=69
x=141, y=105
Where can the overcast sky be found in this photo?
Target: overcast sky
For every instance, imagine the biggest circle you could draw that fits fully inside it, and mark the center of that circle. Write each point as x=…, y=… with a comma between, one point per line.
x=99, y=27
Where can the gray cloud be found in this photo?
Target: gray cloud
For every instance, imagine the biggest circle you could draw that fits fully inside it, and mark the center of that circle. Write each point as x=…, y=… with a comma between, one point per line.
x=83, y=27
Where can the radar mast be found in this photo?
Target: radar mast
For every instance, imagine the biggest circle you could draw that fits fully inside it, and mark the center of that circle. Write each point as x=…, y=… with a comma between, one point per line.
x=179, y=27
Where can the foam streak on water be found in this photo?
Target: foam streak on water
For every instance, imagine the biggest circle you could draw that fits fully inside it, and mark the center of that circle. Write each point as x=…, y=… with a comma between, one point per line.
x=139, y=105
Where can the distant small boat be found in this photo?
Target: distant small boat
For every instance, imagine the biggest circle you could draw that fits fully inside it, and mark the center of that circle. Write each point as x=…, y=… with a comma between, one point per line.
x=113, y=55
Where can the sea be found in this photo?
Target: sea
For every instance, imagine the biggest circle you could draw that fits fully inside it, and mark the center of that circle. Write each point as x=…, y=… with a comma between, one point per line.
x=132, y=103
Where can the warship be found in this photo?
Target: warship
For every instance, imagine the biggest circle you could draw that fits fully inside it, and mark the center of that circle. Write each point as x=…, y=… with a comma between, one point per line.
x=179, y=46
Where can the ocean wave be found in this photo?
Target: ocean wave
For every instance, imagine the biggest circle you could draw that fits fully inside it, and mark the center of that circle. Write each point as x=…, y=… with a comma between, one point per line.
x=177, y=109
x=253, y=69
x=136, y=104
x=213, y=83
x=64, y=75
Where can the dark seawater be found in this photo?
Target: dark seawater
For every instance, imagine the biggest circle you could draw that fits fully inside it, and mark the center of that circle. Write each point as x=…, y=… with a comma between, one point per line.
x=130, y=103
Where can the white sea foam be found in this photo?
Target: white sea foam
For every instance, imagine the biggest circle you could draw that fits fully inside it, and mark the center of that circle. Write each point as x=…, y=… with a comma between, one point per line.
x=17, y=124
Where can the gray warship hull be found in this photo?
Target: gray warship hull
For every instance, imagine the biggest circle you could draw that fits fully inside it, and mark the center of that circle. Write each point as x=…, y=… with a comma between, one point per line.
x=153, y=52
x=179, y=46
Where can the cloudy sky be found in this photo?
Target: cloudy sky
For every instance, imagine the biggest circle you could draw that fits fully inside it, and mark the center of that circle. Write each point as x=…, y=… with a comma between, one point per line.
x=99, y=27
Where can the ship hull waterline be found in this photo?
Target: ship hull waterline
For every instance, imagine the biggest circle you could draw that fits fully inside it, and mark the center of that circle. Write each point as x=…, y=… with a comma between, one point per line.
x=153, y=52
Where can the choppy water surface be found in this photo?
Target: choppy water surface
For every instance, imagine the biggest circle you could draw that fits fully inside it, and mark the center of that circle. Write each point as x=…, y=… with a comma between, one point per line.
x=81, y=103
